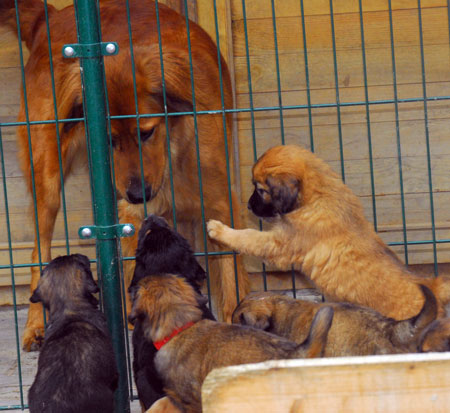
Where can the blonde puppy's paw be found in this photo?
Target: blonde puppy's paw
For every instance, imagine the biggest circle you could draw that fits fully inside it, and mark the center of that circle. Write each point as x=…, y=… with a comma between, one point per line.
x=215, y=229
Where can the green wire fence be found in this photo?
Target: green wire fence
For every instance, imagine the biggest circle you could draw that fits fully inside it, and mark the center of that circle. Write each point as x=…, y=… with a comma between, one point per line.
x=98, y=119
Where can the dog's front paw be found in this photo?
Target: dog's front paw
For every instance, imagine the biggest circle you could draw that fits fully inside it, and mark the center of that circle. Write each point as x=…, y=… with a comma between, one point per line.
x=215, y=229
x=33, y=338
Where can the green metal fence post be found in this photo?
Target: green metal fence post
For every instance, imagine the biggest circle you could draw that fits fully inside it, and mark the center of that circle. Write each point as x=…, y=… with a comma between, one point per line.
x=104, y=209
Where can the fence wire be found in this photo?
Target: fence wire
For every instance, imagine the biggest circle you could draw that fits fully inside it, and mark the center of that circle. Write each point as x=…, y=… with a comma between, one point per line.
x=310, y=110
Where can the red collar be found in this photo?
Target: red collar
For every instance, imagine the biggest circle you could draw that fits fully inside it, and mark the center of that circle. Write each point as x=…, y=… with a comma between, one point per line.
x=165, y=340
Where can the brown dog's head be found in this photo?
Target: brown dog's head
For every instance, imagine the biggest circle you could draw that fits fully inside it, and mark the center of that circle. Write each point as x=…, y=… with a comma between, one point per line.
x=140, y=145
x=163, y=303
x=286, y=177
x=138, y=90
x=66, y=282
x=140, y=137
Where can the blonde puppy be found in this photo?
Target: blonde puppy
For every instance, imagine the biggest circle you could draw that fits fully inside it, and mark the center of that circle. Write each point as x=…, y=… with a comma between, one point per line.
x=320, y=229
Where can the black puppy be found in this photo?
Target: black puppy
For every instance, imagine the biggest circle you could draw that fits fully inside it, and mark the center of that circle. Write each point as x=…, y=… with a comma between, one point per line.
x=160, y=250
x=76, y=368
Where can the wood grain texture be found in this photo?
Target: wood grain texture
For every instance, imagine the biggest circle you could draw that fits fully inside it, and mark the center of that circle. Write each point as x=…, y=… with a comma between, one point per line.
x=395, y=383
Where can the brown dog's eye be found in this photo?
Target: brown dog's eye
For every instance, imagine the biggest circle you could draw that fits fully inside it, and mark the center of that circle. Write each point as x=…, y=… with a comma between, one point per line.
x=145, y=135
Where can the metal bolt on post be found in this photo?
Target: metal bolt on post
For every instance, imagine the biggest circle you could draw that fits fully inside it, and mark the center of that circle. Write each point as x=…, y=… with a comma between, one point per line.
x=103, y=192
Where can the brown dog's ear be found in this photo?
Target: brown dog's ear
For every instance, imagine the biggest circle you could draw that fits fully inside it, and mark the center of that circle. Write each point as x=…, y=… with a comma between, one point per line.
x=76, y=111
x=90, y=285
x=284, y=193
x=36, y=296
x=260, y=321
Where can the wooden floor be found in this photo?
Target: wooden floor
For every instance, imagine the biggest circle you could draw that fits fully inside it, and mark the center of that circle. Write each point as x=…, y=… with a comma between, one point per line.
x=9, y=376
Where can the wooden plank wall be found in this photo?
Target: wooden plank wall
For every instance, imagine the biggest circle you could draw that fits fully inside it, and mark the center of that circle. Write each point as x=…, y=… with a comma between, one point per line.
x=296, y=123
x=354, y=124
x=20, y=215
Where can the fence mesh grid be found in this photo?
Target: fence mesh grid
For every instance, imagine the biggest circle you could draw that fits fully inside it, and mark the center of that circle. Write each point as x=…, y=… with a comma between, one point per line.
x=279, y=112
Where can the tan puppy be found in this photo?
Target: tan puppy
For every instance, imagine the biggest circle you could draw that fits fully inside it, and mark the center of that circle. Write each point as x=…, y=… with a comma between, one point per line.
x=320, y=229
x=189, y=346
x=356, y=331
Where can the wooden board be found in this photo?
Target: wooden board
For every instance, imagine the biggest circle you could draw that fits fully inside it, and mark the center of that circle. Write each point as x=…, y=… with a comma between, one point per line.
x=410, y=383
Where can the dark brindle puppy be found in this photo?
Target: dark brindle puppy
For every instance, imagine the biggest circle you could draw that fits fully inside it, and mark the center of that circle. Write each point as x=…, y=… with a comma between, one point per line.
x=76, y=368
x=355, y=331
x=190, y=346
x=160, y=250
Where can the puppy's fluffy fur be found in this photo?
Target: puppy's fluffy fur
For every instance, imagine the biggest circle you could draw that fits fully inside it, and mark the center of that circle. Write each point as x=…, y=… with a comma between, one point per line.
x=163, y=405
x=436, y=337
x=167, y=302
x=319, y=227
x=76, y=368
x=160, y=250
x=356, y=331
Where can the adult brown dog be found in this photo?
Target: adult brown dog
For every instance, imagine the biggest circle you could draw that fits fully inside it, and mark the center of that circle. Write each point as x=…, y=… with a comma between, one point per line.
x=319, y=227
x=189, y=346
x=356, y=330
x=151, y=131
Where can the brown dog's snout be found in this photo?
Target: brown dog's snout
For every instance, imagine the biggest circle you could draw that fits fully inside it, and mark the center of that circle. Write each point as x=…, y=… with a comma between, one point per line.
x=134, y=191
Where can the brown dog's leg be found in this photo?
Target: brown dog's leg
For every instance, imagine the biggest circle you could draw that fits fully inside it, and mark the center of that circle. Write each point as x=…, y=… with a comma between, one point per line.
x=225, y=273
x=129, y=214
x=222, y=271
x=47, y=184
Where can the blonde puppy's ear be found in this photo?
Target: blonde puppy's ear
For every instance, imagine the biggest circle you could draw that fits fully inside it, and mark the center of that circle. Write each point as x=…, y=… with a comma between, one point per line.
x=284, y=191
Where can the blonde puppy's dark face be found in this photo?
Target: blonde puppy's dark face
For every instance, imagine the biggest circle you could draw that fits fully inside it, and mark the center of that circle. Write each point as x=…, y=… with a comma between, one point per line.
x=273, y=195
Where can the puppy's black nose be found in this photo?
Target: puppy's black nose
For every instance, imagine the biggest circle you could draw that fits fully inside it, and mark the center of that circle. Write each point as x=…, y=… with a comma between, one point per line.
x=248, y=206
x=134, y=191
